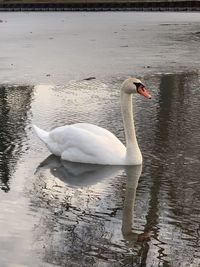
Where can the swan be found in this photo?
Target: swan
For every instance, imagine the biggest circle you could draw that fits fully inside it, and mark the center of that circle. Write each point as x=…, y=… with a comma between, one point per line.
x=88, y=143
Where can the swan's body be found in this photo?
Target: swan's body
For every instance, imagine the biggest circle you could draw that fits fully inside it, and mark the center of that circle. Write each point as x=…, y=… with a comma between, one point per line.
x=88, y=143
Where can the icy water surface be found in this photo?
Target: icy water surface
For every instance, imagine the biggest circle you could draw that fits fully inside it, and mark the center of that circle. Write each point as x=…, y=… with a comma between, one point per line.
x=56, y=213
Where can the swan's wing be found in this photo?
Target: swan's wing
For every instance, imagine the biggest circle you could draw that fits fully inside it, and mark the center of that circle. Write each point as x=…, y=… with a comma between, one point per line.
x=86, y=143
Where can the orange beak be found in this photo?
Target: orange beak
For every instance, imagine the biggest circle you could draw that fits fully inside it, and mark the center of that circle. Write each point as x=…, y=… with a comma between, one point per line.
x=143, y=91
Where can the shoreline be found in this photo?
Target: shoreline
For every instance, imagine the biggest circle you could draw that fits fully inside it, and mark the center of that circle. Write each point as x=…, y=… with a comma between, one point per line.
x=158, y=5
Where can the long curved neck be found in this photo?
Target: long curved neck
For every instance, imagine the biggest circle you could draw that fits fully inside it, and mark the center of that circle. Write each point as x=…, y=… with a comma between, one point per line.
x=133, y=154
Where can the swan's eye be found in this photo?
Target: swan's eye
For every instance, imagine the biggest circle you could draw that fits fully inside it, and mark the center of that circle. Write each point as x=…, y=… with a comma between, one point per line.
x=138, y=85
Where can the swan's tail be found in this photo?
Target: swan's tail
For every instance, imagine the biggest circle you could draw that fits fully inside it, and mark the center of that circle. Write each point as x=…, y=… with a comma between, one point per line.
x=43, y=135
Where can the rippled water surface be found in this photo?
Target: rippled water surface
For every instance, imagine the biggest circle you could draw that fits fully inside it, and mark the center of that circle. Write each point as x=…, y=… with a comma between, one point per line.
x=56, y=213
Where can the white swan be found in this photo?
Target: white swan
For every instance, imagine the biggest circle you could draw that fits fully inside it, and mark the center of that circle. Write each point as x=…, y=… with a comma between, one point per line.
x=88, y=143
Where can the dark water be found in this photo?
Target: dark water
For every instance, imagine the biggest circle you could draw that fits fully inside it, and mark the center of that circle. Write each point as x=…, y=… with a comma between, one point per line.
x=56, y=213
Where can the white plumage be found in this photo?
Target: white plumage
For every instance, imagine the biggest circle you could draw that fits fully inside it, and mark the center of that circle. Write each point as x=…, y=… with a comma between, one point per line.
x=83, y=142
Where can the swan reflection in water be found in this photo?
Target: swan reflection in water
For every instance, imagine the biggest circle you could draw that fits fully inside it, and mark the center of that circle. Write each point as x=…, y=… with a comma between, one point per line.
x=84, y=175
x=78, y=174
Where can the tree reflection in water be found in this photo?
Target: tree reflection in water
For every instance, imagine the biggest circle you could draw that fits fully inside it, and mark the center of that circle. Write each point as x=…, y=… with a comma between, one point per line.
x=15, y=103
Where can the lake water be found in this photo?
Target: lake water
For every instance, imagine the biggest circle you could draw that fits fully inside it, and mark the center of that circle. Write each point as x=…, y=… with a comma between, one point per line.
x=56, y=213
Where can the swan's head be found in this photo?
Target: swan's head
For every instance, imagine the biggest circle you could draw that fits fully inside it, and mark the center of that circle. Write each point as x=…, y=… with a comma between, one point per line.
x=134, y=85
